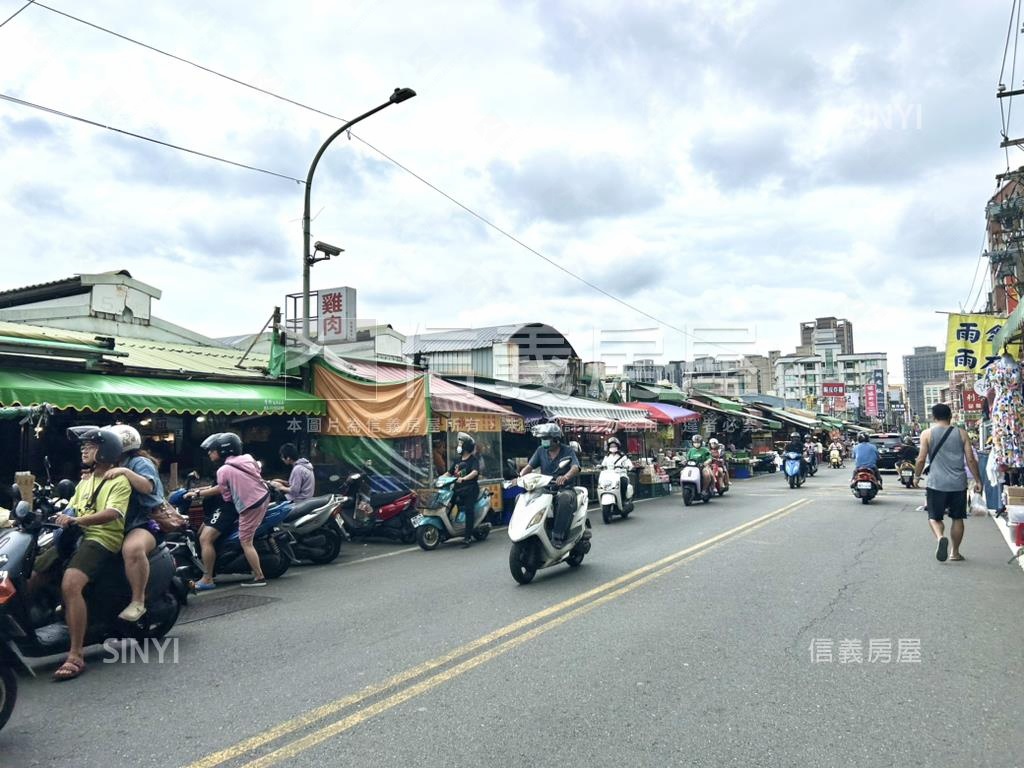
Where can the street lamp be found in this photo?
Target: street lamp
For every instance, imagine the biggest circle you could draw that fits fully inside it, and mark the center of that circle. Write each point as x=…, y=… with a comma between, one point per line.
x=308, y=259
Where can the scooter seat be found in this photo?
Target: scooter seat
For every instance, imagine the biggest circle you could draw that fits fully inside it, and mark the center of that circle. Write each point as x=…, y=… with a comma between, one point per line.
x=301, y=508
x=380, y=499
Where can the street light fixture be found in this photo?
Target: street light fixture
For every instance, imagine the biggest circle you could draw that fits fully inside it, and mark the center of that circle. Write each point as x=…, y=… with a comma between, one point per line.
x=308, y=259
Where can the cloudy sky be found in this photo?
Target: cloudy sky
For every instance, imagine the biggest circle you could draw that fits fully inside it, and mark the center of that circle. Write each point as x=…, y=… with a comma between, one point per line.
x=719, y=165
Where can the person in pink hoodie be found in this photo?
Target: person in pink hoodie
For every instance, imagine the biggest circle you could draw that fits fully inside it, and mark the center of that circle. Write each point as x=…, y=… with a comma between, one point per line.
x=240, y=484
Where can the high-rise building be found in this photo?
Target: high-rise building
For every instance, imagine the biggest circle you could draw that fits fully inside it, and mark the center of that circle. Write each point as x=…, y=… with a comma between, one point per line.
x=927, y=364
x=826, y=330
x=802, y=376
x=645, y=372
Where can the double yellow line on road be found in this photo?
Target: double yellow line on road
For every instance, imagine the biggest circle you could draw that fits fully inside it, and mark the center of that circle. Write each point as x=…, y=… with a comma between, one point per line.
x=579, y=605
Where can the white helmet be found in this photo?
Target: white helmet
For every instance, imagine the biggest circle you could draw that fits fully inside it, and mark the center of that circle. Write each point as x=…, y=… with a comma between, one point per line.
x=131, y=440
x=713, y=442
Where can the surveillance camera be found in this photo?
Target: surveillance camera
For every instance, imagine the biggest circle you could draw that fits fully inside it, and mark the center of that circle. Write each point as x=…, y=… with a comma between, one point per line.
x=330, y=250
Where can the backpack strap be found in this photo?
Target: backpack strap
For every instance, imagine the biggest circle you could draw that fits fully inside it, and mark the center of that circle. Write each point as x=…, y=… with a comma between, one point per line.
x=935, y=451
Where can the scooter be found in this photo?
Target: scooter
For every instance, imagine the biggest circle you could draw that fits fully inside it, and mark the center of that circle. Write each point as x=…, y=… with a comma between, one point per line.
x=609, y=487
x=315, y=527
x=31, y=626
x=690, y=477
x=720, y=472
x=434, y=524
x=532, y=521
x=793, y=469
x=369, y=514
x=906, y=472
x=812, y=463
x=865, y=485
x=272, y=544
x=835, y=459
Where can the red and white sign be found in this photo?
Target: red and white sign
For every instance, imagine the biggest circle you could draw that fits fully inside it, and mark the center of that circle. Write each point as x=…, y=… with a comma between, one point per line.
x=838, y=404
x=871, y=400
x=972, y=401
x=833, y=389
x=337, y=314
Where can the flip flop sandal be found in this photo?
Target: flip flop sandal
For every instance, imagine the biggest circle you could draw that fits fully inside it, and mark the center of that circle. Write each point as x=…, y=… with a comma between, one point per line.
x=69, y=670
x=942, y=551
x=957, y=558
x=201, y=587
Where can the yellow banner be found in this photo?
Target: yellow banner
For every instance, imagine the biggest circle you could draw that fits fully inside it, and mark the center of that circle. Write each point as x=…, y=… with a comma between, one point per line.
x=969, y=342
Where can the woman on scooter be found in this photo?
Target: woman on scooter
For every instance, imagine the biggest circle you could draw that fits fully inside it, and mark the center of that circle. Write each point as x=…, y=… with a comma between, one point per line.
x=467, y=490
x=617, y=460
x=141, y=534
x=239, y=483
x=720, y=469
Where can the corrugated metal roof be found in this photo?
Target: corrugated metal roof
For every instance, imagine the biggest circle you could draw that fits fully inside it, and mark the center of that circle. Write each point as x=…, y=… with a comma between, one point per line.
x=461, y=339
x=152, y=355
x=563, y=406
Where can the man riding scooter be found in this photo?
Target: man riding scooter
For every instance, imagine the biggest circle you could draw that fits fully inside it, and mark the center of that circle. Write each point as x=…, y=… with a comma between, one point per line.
x=702, y=456
x=796, y=445
x=865, y=456
x=547, y=458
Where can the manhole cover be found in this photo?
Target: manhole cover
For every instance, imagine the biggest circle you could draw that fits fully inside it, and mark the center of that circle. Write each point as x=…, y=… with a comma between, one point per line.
x=207, y=608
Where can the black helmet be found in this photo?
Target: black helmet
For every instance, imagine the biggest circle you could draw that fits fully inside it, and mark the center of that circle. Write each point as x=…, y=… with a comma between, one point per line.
x=549, y=431
x=109, y=442
x=224, y=443
x=908, y=440
x=468, y=443
x=862, y=438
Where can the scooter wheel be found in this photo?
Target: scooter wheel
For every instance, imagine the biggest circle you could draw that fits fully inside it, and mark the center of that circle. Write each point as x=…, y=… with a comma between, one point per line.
x=332, y=548
x=865, y=500
x=607, y=513
x=8, y=693
x=520, y=554
x=687, y=495
x=792, y=481
x=274, y=565
x=480, y=534
x=575, y=560
x=428, y=537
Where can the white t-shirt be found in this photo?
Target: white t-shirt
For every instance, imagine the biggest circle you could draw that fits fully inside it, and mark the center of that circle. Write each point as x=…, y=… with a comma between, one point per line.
x=617, y=461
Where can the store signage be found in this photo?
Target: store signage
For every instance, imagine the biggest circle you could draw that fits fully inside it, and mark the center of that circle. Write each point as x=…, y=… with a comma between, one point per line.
x=871, y=400
x=878, y=377
x=833, y=389
x=969, y=342
x=337, y=314
x=972, y=401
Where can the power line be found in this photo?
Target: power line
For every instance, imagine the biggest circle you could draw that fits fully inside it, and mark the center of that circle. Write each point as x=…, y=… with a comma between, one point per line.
x=178, y=147
x=26, y=5
x=390, y=159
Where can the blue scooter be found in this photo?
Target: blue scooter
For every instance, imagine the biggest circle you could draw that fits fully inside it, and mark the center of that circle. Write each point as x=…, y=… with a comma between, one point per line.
x=793, y=467
x=434, y=524
x=272, y=544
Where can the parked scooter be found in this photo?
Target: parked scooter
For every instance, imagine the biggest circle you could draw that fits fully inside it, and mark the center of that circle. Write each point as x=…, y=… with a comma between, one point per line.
x=31, y=627
x=532, y=521
x=835, y=459
x=793, y=468
x=315, y=527
x=370, y=514
x=609, y=487
x=272, y=544
x=434, y=524
x=865, y=485
x=690, y=478
x=906, y=472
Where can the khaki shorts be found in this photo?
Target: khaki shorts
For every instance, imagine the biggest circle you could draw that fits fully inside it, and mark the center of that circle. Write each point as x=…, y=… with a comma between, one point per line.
x=90, y=558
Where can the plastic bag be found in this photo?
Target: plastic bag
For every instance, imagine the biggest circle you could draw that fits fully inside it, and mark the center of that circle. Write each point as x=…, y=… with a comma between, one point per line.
x=978, y=505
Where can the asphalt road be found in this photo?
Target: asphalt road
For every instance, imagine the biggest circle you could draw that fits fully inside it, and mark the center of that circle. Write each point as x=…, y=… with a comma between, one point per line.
x=749, y=631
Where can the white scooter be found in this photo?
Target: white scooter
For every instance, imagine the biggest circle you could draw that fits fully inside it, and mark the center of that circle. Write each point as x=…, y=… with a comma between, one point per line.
x=690, y=480
x=610, y=489
x=531, y=523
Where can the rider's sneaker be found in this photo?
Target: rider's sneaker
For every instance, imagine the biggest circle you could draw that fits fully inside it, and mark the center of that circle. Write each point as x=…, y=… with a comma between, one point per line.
x=133, y=612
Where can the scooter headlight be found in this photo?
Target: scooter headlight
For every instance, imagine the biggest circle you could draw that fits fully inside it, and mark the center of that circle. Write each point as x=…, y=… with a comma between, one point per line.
x=536, y=519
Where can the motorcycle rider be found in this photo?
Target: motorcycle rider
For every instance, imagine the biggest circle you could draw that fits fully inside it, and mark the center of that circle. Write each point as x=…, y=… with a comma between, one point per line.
x=467, y=490
x=239, y=483
x=908, y=451
x=702, y=456
x=141, y=534
x=616, y=460
x=717, y=459
x=810, y=452
x=101, y=506
x=865, y=456
x=546, y=458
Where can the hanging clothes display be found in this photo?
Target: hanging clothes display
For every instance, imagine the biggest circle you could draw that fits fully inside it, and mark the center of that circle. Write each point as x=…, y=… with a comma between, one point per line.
x=1004, y=379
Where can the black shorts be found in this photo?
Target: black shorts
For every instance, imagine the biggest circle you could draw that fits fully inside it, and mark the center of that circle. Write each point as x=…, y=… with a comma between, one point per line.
x=940, y=501
x=223, y=519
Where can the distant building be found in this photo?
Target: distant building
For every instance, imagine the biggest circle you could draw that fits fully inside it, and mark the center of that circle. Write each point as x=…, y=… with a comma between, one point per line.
x=826, y=330
x=927, y=364
x=802, y=376
x=645, y=372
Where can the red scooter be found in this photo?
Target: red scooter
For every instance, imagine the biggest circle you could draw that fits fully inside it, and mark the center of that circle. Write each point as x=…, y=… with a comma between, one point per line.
x=865, y=485
x=368, y=514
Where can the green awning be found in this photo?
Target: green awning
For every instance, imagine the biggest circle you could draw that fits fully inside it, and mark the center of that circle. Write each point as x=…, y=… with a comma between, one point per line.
x=656, y=393
x=1008, y=331
x=729, y=405
x=102, y=392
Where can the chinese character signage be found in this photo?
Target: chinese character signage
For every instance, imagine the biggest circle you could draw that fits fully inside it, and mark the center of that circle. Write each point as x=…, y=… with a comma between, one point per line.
x=972, y=401
x=871, y=400
x=337, y=314
x=833, y=389
x=969, y=342
x=878, y=378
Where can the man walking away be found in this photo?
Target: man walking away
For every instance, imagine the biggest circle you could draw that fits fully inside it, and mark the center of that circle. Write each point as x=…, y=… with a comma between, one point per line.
x=946, y=448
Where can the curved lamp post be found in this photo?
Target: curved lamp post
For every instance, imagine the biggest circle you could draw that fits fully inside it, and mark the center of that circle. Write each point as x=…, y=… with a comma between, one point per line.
x=400, y=95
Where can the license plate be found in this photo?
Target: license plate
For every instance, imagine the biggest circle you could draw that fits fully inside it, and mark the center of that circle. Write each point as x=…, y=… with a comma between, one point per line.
x=864, y=486
x=418, y=520
x=908, y=474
